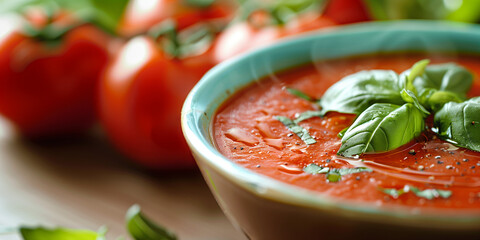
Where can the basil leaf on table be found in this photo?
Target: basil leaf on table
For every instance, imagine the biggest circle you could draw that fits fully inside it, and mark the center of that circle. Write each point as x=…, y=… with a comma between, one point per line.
x=459, y=123
x=382, y=127
x=142, y=228
x=41, y=233
x=355, y=93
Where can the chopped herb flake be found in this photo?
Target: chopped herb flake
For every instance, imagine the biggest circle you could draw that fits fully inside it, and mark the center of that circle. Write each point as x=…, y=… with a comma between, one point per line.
x=333, y=174
x=301, y=132
x=427, y=193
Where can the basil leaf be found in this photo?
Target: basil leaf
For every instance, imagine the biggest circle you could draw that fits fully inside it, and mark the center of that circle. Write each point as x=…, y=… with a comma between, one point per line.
x=436, y=99
x=444, y=77
x=382, y=127
x=142, y=228
x=301, y=132
x=333, y=174
x=356, y=92
x=459, y=123
x=409, y=97
x=40, y=233
x=417, y=69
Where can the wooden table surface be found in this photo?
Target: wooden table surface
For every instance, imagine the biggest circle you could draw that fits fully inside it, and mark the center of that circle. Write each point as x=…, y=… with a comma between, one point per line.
x=86, y=184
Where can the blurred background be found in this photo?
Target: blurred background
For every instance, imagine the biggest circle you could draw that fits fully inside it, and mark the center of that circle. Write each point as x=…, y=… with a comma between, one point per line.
x=91, y=93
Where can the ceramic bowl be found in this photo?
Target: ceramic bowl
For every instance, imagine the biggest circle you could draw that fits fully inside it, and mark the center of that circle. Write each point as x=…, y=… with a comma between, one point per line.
x=264, y=208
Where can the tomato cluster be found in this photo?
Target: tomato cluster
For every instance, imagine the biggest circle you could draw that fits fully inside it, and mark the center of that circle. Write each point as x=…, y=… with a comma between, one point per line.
x=59, y=73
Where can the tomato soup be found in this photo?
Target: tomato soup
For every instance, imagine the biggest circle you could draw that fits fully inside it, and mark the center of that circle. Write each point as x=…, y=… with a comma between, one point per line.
x=426, y=172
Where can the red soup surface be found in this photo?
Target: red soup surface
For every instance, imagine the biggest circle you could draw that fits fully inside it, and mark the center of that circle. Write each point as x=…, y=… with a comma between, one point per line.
x=246, y=131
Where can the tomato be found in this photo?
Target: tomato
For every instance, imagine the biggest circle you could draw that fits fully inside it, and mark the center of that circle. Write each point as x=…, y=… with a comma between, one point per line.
x=141, y=96
x=347, y=11
x=245, y=36
x=140, y=15
x=47, y=87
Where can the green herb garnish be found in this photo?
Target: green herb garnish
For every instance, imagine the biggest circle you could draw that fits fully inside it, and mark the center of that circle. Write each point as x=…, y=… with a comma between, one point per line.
x=40, y=233
x=142, y=228
x=382, y=127
x=333, y=174
x=392, y=108
x=355, y=93
x=427, y=193
x=301, y=132
x=138, y=226
x=459, y=123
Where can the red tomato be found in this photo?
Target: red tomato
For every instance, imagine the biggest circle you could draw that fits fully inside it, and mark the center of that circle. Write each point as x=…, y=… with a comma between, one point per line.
x=140, y=15
x=245, y=36
x=141, y=97
x=347, y=11
x=48, y=88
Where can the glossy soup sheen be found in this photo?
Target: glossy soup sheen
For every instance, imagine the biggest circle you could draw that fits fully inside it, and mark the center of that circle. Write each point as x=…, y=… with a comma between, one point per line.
x=246, y=132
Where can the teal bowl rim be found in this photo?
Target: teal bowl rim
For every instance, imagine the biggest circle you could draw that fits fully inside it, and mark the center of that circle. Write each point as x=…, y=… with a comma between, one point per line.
x=203, y=147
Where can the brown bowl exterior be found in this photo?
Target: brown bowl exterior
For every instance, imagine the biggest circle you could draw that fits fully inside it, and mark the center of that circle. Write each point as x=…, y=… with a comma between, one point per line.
x=259, y=217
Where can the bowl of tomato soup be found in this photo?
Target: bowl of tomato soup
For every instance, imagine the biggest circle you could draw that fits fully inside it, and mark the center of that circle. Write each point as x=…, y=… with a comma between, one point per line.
x=370, y=131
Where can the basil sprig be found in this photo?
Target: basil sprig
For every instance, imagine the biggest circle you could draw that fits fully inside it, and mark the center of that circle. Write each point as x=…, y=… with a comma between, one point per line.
x=391, y=108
